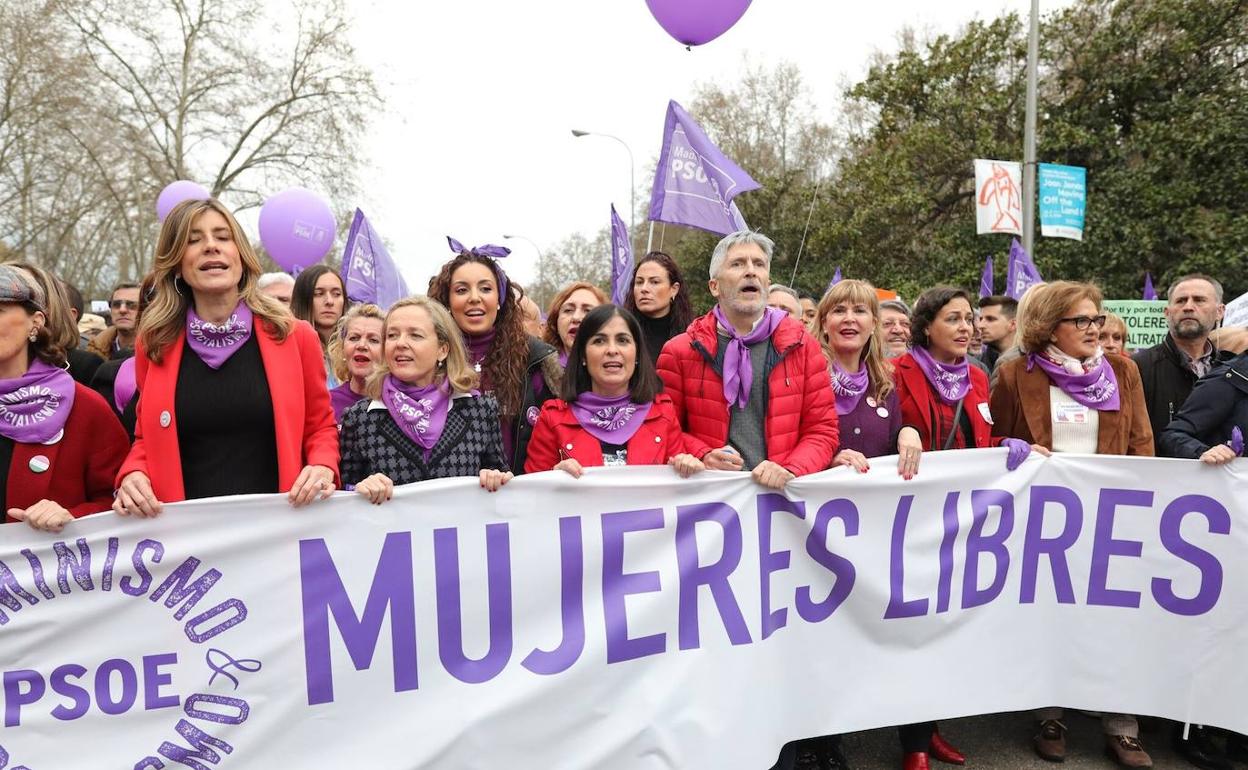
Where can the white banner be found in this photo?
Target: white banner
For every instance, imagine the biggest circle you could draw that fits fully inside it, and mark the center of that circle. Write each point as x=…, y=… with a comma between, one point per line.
x=998, y=197
x=628, y=619
x=1236, y=312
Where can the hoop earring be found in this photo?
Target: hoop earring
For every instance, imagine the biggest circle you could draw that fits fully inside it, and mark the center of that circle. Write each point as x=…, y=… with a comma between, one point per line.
x=175, y=285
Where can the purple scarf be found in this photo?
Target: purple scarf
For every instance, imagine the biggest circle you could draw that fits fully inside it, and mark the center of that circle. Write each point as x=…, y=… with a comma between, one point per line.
x=1096, y=388
x=35, y=406
x=215, y=343
x=124, y=385
x=419, y=412
x=612, y=420
x=341, y=398
x=950, y=381
x=847, y=387
x=738, y=372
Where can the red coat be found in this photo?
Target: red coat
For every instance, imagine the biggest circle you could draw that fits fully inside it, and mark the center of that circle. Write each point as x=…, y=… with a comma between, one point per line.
x=918, y=403
x=801, y=425
x=302, y=417
x=558, y=435
x=81, y=466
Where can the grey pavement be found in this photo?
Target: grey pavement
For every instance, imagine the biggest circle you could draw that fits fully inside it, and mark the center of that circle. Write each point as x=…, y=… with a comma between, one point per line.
x=1003, y=742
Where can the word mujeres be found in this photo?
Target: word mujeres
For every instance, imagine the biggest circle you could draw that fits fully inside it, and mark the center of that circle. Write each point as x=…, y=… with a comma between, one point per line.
x=393, y=587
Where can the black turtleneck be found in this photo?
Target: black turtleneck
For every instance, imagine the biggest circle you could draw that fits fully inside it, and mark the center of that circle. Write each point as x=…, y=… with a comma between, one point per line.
x=656, y=331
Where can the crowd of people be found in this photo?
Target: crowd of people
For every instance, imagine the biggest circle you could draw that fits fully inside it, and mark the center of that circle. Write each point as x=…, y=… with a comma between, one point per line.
x=468, y=380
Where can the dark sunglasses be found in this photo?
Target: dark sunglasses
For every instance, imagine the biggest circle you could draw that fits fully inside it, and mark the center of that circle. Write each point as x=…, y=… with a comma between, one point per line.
x=1082, y=322
x=120, y=303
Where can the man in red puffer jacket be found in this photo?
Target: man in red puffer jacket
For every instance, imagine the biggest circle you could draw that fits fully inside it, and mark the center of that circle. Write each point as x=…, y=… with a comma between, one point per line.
x=749, y=383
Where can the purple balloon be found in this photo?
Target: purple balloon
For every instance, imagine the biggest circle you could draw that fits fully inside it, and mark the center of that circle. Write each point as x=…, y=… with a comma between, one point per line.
x=176, y=192
x=296, y=228
x=694, y=22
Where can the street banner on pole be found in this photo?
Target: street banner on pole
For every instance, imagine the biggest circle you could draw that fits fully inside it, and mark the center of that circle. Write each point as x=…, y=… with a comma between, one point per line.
x=998, y=197
x=694, y=182
x=1063, y=199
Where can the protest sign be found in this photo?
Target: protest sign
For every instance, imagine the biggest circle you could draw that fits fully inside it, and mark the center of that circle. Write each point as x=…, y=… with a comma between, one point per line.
x=1145, y=320
x=998, y=197
x=1236, y=312
x=1063, y=199
x=623, y=616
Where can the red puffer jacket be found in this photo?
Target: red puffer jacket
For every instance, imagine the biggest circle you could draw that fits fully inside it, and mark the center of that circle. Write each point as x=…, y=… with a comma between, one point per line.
x=801, y=426
x=558, y=435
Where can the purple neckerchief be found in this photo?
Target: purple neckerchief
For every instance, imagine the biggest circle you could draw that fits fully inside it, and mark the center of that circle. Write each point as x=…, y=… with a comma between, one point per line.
x=848, y=388
x=215, y=343
x=613, y=420
x=563, y=360
x=419, y=412
x=1096, y=388
x=950, y=381
x=35, y=406
x=738, y=371
x=124, y=385
x=487, y=250
x=341, y=398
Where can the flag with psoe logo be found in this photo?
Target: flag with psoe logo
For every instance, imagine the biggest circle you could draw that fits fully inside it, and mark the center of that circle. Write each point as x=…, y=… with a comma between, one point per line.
x=368, y=271
x=621, y=259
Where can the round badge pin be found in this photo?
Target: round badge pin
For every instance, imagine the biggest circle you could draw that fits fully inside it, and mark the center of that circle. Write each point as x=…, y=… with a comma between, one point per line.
x=165, y=419
x=882, y=412
x=871, y=402
x=60, y=434
x=40, y=463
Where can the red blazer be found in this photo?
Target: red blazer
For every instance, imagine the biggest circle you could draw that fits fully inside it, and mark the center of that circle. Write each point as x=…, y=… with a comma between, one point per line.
x=302, y=417
x=800, y=427
x=81, y=465
x=558, y=435
x=918, y=403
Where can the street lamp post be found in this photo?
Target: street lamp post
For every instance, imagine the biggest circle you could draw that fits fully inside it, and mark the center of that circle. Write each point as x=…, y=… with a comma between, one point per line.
x=632, y=176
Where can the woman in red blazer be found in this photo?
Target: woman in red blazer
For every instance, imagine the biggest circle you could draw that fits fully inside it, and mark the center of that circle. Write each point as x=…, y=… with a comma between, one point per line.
x=60, y=444
x=611, y=412
x=233, y=397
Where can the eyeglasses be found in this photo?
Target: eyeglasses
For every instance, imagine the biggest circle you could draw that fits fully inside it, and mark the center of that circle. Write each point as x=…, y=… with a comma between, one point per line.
x=1082, y=322
x=117, y=304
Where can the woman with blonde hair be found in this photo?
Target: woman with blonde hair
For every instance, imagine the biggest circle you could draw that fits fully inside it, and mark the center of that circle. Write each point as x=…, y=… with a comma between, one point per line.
x=233, y=387
x=567, y=310
x=354, y=353
x=1067, y=395
x=1114, y=337
x=424, y=419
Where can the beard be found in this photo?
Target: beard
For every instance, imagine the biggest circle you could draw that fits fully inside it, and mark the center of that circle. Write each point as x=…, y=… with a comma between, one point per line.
x=1190, y=329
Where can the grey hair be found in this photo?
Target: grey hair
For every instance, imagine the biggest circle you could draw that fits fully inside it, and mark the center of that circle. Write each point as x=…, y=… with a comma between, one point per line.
x=272, y=279
x=783, y=290
x=1214, y=282
x=895, y=304
x=736, y=239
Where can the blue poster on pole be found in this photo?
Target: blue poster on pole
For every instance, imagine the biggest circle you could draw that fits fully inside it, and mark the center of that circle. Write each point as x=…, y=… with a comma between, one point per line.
x=1063, y=196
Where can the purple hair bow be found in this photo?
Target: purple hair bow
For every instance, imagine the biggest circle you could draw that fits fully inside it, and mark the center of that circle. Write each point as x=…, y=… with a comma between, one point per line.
x=487, y=250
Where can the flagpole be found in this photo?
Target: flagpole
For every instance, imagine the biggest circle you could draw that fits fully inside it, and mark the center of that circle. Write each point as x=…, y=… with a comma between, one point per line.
x=802, y=245
x=1029, y=132
x=650, y=239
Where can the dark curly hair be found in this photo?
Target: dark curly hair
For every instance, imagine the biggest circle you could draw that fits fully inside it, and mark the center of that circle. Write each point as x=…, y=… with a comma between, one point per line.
x=504, y=366
x=928, y=305
x=680, y=311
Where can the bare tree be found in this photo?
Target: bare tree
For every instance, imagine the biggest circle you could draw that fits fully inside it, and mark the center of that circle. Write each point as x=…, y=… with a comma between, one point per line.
x=576, y=258
x=159, y=90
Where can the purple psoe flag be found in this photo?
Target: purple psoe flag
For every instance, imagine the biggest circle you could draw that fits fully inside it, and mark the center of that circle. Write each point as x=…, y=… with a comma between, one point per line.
x=694, y=182
x=621, y=260
x=1022, y=273
x=368, y=272
x=1149, y=291
x=836, y=278
x=986, y=279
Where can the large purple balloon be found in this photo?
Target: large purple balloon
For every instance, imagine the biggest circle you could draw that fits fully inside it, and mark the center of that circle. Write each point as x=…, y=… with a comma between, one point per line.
x=694, y=22
x=296, y=228
x=176, y=192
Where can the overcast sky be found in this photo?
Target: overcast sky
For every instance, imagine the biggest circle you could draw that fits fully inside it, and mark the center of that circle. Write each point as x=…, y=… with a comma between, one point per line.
x=480, y=96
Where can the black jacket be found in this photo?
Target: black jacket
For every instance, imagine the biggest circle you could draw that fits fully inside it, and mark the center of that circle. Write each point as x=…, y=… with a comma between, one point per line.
x=1167, y=383
x=373, y=443
x=1218, y=403
x=543, y=366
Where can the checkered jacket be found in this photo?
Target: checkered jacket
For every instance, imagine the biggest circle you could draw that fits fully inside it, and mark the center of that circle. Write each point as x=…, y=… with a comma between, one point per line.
x=373, y=443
